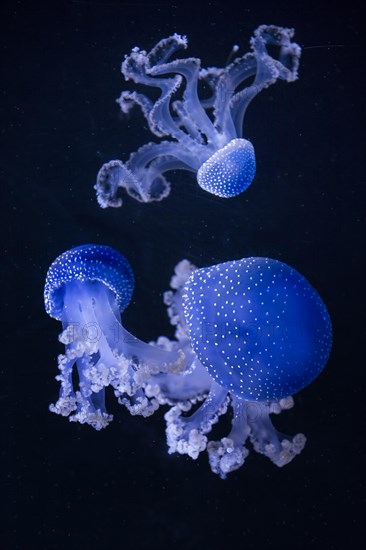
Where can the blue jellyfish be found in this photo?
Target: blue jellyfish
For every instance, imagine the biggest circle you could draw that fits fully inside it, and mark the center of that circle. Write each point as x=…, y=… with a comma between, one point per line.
x=87, y=288
x=204, y=135
x=254, y=332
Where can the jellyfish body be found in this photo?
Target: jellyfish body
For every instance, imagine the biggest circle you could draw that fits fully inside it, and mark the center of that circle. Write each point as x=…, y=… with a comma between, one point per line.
x=205, y=135
x=259, y=332
x=258, y=326
x=87, y=288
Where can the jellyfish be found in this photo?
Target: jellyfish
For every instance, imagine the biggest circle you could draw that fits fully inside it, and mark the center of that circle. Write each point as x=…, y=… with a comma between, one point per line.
x=86, y=289
x=254, y=332
x=205, y=135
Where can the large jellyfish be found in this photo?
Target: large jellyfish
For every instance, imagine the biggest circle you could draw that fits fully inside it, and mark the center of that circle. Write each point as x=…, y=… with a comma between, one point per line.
x=205, y=136
x=86, y=288
x=258, y=332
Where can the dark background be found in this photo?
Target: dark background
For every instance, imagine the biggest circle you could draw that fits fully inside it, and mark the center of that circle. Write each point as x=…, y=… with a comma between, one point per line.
x=67, y=486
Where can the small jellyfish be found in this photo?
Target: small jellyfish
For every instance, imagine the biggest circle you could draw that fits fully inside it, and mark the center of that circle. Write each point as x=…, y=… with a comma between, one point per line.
x=205, y=135
x=259, y=333
x=87, y=288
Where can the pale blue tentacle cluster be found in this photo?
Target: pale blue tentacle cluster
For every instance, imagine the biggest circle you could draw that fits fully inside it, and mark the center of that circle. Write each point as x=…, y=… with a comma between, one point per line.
x=205, y=135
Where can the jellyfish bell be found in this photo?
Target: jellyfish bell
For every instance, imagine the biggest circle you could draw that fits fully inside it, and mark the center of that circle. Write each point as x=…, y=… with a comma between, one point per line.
x=87, y=288
x=259, y=327
x=230, y=170
x=87, y=266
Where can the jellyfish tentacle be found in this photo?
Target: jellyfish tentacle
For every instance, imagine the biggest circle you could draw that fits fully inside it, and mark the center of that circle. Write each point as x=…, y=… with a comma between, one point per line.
x=186, y=435
x=184, y=119
x=223, y=83
x=189, y=68
x=269, y=70
x=182, y=388
x=192, y=383
x=140, y=404
x=153, y=151
x=139, y=66
x=266, y=440
x=229, y=454
x=93, y=372
x=165, y=48
x=67, y=401
x=111, y=176
x=173, y=298
x=251, y=420
x=127, y=345
x=142, y=175
x=128, y=100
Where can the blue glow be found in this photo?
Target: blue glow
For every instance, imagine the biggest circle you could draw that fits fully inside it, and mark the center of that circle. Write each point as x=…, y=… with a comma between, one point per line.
x=205, y=136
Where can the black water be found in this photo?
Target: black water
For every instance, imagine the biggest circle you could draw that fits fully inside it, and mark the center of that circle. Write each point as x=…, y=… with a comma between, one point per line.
x=66, y=486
